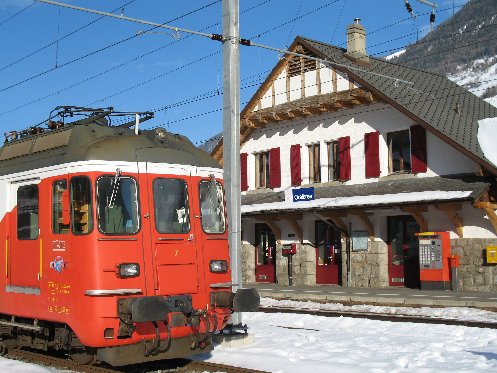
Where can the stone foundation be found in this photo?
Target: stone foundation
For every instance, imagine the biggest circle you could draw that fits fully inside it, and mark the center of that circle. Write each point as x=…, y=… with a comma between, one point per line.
x=474, y=274
x=303, y=266
x=248, y=263
x=370, y=268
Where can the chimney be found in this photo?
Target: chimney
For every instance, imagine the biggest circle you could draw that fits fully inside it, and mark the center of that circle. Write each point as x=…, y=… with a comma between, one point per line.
x=356, y=43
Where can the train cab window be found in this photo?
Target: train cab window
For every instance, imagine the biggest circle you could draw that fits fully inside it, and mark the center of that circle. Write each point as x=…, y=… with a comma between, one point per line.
x=60, y=207
x=212, y=206
x=117, y=205
x=171, y=211
x=81, y=208
x=27, y=212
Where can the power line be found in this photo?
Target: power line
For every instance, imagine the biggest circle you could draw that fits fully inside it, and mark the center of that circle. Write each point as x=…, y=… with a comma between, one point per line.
x=98, y=50
x=15, y=15
x=123, y=63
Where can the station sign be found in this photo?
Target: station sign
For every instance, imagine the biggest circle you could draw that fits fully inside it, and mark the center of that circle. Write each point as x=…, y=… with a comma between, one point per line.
x=303, y=194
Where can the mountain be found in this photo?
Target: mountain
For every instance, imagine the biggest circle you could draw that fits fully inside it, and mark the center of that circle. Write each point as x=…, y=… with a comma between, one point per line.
x=463, y=48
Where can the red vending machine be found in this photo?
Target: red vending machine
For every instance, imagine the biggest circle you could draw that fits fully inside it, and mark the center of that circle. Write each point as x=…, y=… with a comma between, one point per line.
x=434, y=253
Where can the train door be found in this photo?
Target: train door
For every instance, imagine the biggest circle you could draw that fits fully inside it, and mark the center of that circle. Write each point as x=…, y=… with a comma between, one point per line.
x=403, y=252
x=328, y=254
x=166, y=195
x=24, y=239
x=265, y=256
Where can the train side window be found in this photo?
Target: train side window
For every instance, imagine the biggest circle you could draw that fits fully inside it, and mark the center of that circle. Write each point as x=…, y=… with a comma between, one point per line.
x=171, y=211
x=60, y=207
x=212, y=207
x=117, y=205
x=27, y=212
x=81, y=208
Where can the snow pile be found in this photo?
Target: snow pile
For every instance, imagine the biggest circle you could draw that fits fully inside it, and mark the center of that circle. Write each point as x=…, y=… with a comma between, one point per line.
x=487, y=134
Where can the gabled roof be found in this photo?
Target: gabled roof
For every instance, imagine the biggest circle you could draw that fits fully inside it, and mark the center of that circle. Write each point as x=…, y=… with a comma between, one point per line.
x=441, y=106
x=445, y=109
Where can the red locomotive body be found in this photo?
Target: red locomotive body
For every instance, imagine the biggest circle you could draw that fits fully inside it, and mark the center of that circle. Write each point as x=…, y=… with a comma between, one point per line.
x=116, y=244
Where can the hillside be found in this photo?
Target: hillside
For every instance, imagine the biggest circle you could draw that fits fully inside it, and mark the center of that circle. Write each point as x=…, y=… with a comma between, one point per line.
x=470, y=35
x=463, y=48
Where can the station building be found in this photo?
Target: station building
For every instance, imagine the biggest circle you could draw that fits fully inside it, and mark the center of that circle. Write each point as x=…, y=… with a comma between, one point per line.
x=345, y=158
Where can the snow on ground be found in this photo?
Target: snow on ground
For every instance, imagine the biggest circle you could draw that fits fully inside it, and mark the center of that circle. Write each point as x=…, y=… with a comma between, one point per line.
x=287, y=343
x=304, y=343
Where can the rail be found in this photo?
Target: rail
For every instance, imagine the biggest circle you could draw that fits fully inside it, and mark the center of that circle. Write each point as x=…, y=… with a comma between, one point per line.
x=381, y=317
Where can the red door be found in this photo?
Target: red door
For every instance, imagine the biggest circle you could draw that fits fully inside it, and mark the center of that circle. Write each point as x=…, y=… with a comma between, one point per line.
x=328, y=254
x=403, y=252
x=265, y=254
x=23, y=244
x=172, y=235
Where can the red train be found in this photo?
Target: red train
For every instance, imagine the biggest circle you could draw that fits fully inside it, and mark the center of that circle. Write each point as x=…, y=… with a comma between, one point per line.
x=116, y=244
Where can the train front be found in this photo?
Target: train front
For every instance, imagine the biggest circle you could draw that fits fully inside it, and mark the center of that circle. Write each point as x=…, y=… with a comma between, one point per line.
x=162, y=283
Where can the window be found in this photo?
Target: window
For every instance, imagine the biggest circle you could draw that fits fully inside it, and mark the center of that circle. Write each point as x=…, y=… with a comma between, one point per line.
x=314, y=164
x=81, y=208
x=117, y=205
x=333, y=161
x=212, y=206
x=60, y=207
x=27, y=212
x=399, y=149
x=262, y=170
x=171, y=211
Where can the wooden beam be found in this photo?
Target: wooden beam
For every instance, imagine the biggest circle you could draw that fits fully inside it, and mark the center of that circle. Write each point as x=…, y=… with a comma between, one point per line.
x=333, y=213
x=417, y=214
x=367, y=223
x=295, y=226
x=272, y=225
x=492, y=216
x=451, y=210
x=337, y=220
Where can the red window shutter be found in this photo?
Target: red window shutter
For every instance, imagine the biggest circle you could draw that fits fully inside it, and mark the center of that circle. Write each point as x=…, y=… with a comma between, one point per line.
x=372, y=154
x=418, y=149
x=344, y=149
x=243, y=172
x=295, y=168
x=274, y=168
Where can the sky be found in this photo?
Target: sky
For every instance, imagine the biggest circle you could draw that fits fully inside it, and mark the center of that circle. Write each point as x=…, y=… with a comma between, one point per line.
x=288, y=343
x=55, y=56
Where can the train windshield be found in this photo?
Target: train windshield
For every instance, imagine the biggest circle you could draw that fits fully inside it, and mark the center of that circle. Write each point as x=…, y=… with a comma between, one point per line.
x=117, y=205
x=172, y=214
x=212, y=206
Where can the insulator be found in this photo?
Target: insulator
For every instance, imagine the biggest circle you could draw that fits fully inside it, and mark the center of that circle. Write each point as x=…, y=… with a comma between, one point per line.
x=432, y=17
x=409, y=7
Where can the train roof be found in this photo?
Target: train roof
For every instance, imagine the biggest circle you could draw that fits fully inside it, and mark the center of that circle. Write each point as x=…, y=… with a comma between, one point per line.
x=96, y=140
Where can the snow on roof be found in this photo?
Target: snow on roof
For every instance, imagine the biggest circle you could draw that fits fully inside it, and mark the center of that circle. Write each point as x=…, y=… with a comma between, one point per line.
x=337, y=202
x=487, y=134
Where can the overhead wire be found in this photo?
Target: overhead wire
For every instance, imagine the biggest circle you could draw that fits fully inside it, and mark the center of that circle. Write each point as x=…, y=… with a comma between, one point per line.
x=60, y=39
x=208, y=56
x=122, y=64
x=16, y=14
x=91, y=53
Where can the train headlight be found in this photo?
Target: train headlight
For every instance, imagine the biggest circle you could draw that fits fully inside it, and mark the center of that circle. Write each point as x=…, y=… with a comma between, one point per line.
x=219, y=266
x=126, y=270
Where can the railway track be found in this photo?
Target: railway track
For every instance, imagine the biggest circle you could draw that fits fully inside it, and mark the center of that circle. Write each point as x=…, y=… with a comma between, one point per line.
x=381, y=317
x=174, y=365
